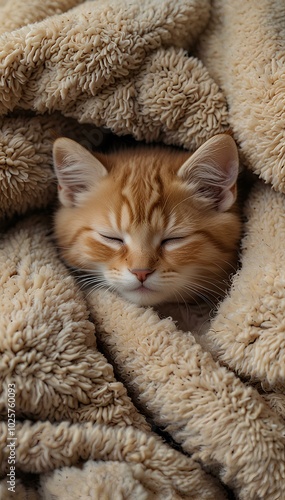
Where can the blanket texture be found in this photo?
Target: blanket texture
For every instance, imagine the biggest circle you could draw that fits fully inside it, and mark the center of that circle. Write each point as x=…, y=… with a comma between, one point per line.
x=112, y=400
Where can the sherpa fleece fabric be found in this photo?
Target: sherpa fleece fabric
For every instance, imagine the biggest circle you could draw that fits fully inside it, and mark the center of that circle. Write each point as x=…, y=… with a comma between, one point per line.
x=112, y=400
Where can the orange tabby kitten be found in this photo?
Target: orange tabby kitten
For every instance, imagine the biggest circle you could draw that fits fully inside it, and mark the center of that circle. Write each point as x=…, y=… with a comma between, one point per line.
x=152, y=223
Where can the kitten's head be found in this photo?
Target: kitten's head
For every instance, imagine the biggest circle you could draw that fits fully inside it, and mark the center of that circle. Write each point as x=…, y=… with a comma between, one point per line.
x=153, y=224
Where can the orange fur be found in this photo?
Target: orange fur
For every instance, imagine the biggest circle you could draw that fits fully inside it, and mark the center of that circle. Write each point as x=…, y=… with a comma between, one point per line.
x=142, y=200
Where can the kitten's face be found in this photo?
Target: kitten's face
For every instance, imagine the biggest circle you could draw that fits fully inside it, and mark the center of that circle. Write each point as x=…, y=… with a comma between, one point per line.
x=141, y=226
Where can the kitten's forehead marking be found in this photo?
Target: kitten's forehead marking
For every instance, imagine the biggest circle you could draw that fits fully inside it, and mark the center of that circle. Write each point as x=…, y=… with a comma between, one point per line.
x=121, y=221
x=125, y=221
x=112, y=219
x=171, y=222
x=142, y=194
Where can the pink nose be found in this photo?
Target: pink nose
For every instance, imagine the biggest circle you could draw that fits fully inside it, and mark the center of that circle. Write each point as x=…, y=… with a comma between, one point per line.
x=141, y=274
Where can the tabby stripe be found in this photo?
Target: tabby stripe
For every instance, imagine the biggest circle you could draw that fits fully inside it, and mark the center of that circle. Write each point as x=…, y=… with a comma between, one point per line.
x=217, y=243
x=156, y=204
x=79, y=233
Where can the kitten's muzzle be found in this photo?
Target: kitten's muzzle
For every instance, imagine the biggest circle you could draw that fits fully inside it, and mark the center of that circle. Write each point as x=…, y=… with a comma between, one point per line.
x=141, y=274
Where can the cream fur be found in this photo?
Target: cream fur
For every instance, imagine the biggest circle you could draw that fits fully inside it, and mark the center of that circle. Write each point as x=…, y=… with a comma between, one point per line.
x=219, y=390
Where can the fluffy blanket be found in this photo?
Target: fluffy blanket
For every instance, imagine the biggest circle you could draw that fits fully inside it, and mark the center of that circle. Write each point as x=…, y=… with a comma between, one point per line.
x=100, y=398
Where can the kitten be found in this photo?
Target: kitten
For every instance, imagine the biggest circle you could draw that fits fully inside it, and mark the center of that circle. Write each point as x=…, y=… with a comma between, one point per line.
x=154, y=224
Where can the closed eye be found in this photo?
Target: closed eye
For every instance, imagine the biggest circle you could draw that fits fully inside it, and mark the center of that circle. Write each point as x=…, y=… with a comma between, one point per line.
x=112, y=238
x=171, y=240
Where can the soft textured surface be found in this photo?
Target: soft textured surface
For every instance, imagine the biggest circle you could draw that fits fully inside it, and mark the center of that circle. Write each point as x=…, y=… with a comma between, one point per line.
x=97, y=377
x=249, y=330
x=251, y=73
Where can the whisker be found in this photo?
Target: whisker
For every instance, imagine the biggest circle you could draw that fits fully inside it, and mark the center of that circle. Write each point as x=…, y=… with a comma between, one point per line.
x=94, y=288
x=198, y=286
x=198, y=291
x=215, y=288
x=184, y=300
x=228, y=264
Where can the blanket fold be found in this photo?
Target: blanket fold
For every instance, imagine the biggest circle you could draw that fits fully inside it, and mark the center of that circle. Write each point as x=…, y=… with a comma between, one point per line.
x=253, y=331
x=94, y=376
x=251, y=74
x=149, y=467
x=206, y=410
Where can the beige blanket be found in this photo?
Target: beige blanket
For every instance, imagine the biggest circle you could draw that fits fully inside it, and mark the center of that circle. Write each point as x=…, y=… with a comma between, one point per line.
x=142, y=409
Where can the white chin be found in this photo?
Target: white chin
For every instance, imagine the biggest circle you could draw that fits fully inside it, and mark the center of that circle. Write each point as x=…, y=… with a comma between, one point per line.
x=143, y=298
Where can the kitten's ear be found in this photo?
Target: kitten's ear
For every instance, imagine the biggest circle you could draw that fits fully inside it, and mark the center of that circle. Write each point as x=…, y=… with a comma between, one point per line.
x=76, y=169
x=213, y=171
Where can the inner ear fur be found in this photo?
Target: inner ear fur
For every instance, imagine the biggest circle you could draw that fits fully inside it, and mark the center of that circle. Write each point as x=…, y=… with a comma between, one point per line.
x=213, y=170
x=76, y=170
